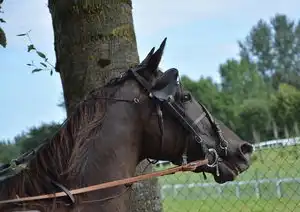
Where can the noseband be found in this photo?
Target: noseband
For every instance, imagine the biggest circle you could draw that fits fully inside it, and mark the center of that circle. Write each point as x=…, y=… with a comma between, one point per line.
x=178, y=111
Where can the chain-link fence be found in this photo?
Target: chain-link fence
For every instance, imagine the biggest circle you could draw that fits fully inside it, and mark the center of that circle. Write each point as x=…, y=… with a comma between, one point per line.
x=272, y=183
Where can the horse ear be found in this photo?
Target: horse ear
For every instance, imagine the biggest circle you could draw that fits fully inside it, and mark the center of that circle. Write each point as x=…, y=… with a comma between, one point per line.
x=147, y=59
x=150, y=64
x=156, y=57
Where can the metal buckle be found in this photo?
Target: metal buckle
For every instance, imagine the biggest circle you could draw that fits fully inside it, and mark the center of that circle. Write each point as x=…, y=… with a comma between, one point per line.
x=136, y=100
x=170, y=98
x=224, y=147
x=184, y=159
x=215, y=162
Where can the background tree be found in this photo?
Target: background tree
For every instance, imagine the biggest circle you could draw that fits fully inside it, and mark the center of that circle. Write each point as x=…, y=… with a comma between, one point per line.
x=256, y=118
x=204, y=90
x=8, y=151
x=35, y=136
x=94, y=41
x=285, y=109
x=240, y=81
x=255, y=121
x=274, y=47
x=26, y=141
x=209, y=94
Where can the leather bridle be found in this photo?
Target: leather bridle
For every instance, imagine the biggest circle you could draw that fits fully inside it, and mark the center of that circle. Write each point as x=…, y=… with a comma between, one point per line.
x=177, y=109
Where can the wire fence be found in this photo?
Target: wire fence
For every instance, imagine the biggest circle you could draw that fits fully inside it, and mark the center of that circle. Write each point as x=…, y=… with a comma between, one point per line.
x=272, y=183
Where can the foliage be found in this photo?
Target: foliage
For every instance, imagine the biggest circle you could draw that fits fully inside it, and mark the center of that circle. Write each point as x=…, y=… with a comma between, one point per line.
x=285, y=103
x=42, y=65
x=274, y=47
x=8, y=151
x=62, y=103
x=204, y=90
x=286, y=108
x=256, y=117
x=3, y=41
x=258, y=92
x=241, y=80
x=35, y=136
x=26, y=141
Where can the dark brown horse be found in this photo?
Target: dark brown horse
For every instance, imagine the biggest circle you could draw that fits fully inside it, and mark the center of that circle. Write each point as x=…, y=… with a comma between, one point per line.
x=141, y=114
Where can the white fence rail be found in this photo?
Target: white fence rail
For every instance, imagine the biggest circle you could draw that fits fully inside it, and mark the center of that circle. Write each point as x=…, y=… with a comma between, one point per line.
x=236, y=188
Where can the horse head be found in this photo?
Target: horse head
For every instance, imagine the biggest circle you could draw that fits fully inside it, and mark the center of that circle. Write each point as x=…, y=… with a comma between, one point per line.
x=182, y=130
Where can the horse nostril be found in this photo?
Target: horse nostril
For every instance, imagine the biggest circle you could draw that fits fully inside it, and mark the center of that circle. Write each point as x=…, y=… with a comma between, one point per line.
x=246, y=148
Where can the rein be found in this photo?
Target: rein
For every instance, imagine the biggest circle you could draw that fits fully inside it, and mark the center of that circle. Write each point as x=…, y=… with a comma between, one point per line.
x=127, y=181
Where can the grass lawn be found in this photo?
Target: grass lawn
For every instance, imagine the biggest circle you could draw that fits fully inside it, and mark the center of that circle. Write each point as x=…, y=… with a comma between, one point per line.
x=232, y=205
x=271, y=163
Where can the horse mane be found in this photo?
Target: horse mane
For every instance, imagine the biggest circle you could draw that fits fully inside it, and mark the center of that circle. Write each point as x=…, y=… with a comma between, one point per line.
x=64, y=155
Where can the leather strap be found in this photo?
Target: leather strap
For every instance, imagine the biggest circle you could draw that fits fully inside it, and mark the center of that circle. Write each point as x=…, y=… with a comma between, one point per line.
x=127, y=181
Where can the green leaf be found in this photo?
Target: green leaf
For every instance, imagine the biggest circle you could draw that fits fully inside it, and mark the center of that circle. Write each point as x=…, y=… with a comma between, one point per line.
x=43, y=64
x=21, y=34
x=42, y=55
x=29, y=64
x=51, y=72
x=36, y=70
x=2, y=20
x=30, y=47
x=2, y=38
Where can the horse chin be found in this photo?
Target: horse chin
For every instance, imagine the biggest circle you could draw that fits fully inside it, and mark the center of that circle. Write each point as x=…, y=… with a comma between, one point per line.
x=227, y=172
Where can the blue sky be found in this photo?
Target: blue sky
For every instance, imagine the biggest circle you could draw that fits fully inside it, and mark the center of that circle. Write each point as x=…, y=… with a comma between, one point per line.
x=201, y=35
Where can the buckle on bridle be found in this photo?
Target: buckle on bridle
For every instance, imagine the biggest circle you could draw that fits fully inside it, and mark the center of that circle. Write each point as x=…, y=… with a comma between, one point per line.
x=215, y=162
x=224, y=147
x=184, y=159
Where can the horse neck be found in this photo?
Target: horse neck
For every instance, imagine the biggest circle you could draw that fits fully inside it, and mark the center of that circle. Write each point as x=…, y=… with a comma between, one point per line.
x=100, y=145
x=113, y=154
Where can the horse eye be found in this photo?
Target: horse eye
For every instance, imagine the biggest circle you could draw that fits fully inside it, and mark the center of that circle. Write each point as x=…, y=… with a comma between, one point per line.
x=186, y=97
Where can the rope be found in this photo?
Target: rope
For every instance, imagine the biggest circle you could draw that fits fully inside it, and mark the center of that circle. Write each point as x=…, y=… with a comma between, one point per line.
x=127, y=181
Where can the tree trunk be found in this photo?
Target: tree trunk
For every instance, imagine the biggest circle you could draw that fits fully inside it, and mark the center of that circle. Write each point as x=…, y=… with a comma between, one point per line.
x=95, y=41
x=296, y=128
x=256, y=138
x=286, y=131
x=275, y=129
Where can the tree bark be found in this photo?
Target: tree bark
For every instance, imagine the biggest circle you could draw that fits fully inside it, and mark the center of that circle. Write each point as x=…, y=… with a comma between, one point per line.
x=275, y=129
x=286, y=131
x=296, y=128
x=94, y=41
x=256, y=138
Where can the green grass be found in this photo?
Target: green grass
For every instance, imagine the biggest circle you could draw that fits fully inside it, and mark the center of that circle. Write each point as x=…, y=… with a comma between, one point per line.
x=266, y=190
x=271, y=163
x=232, y=205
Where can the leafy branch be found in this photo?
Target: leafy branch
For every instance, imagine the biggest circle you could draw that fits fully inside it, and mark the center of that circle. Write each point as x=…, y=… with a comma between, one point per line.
x=44, y=65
